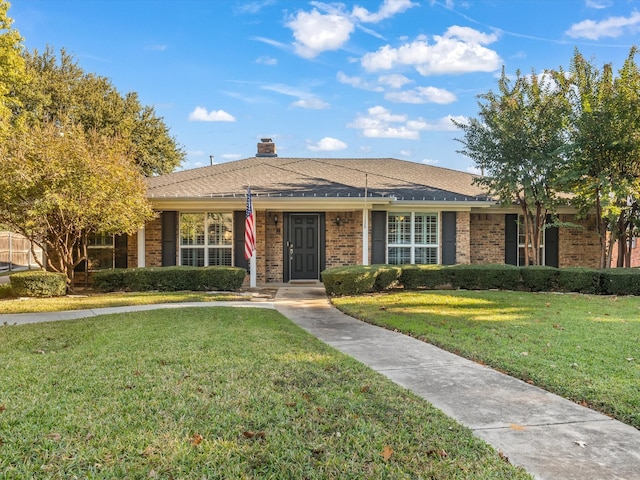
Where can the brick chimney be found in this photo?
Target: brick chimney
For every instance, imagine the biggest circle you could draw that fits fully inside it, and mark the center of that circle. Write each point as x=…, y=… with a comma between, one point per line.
x=266, y=148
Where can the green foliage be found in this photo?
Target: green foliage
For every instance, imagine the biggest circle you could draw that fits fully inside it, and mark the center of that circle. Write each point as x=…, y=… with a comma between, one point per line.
x=6, y=291
x=538, y=278
x=349, y=280
x=60, y=91
x=387, y=276
x=170, y=279
x=12, y=67
x=38, y=283
x=424, y=276
x=581, y=280
x=484, y=277
x=621, y=281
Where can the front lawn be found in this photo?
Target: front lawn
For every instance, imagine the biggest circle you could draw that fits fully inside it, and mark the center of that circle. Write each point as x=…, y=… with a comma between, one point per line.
x=582, y=347
x=214, y=393
x=102, y=300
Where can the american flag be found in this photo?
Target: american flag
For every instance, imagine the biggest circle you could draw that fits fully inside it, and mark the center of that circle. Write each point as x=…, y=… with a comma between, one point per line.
x=249, y=229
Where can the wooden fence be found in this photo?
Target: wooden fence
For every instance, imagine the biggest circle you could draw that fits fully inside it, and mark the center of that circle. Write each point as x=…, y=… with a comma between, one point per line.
x=16, y=254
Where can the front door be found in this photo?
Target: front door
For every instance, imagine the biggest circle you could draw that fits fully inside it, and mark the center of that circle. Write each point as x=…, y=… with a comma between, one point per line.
x=304, y=247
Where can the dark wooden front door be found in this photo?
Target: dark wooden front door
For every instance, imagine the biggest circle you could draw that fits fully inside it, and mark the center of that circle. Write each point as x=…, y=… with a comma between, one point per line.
x=304, y=246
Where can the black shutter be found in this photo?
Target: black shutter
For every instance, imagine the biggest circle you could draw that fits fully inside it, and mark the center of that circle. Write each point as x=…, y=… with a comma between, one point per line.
x=121, y=251
x=448, y=238
x=551, y=249
x=511, y=239
x=239, y=219
x=378, y=237
x=169, y=238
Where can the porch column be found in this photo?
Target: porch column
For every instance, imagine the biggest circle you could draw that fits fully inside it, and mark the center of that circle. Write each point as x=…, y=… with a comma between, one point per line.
x=365, y=237
x=141, y=249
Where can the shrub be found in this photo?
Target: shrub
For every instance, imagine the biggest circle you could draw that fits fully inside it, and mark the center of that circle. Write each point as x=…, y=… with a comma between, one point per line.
x=6, y=291
x=538, y=278
x=484, y=277
x=424, y=276
x=581, y=280
x=221, y=278
x=387, y=276
x=621, y=281
x=169, y=279
x=38, y=283
x=349, y=280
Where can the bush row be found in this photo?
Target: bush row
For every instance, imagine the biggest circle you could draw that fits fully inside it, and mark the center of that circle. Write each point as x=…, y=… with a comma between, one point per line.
x=38, y=283
x=354, y=280
x=169, y=279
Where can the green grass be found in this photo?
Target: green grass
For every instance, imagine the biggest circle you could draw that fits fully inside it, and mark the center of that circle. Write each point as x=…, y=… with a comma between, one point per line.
x=75, y=302
x=214, y=393
x=584, y=348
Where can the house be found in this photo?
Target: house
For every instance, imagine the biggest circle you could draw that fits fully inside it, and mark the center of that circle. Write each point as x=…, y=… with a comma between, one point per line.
x=315, y=213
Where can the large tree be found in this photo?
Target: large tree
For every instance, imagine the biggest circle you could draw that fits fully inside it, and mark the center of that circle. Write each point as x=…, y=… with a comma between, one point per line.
x=60, y=91
x=517, y=142
x=12, y=67
x=604, y=136
x=60, y=184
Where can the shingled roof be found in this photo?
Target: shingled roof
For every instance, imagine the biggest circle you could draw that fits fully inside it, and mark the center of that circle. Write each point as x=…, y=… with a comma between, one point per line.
x=319, y=177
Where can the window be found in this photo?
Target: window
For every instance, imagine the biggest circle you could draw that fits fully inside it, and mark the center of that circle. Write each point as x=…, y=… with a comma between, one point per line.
x=206, y=239
x=100, y=251
x=412, y=238
x=521, y=246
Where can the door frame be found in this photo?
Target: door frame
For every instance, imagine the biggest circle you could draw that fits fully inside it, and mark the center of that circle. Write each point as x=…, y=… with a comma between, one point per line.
x=286, y=241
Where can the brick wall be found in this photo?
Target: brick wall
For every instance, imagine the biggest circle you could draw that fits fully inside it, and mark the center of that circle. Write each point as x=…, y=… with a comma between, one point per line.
x=344, y=241
x=463, y=238
x=274, y=269
x=153, y=243
x=579, y=247
x=486, y=238
x=132, y=251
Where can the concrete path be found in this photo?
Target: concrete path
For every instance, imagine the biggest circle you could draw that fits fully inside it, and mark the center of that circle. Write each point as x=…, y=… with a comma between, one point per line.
x=552, y=438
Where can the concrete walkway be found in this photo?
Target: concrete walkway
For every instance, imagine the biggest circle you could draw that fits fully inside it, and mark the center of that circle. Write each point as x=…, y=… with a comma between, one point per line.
x=550, y=437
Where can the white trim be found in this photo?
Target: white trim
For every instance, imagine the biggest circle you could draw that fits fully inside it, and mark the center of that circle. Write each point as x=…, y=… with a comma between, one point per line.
x=141, y=247
x=365, y=237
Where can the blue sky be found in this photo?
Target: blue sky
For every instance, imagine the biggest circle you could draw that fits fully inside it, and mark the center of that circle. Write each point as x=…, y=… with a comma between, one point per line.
x=371, y=78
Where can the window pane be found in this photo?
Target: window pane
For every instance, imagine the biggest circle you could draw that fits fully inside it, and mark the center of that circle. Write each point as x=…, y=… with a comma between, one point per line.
x=100, y=239
x=220, y=256
x=399, y=228
x=426, y=255
x=100, y=258
x=192, y=257
x=220, y=229
x=399, y=255
x=426, y=229
x=191, y=229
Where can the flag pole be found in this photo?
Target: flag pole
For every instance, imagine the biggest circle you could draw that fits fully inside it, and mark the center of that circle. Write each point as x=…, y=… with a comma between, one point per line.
x=250, y=239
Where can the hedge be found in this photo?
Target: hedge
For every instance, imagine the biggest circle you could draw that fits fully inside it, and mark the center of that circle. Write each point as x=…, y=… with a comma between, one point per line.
x=169, y=279
x=358, y=279
x=38, y=283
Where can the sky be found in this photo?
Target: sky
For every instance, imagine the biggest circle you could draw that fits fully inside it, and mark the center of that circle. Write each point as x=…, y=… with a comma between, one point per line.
x=362, y=79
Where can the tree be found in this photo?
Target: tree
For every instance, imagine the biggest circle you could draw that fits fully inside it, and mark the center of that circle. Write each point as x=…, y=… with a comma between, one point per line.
x=60, y=91
x=60, y=184
x=12, y=66
x=605, y=150
x=518, y=143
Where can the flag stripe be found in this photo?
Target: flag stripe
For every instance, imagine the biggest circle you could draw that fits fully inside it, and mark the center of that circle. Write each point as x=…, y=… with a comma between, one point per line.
x=249, y=229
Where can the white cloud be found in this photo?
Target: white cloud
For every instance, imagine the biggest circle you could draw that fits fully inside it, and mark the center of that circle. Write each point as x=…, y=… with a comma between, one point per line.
x=474, y=170
x=422, y=95
x=429, y=161
x=405, y=153
x=253, y=7
x=394, y=80
x=388, y=9
x=443, y=124
x=305, y=99
x=200, y=114
x=312, y=103
x=357, y=82
x=610, y=27
x=316, y=33
x=267, y=60
x=459, y=50
x=598, y=4
x=231, y=156
x=379, y=123
x=327, y=144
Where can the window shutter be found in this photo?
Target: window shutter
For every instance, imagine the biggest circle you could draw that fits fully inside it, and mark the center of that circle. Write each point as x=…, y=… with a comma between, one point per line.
x=551, y=249
x=169, y=238
x=511, y=239
x=121, y=251
x=378, y=237
x=448, y=238
x=239, y=219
